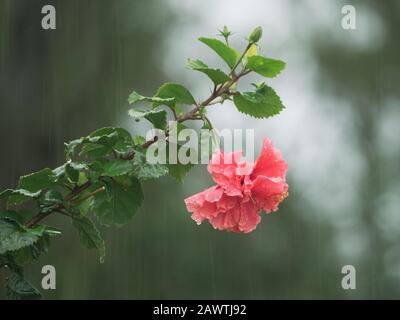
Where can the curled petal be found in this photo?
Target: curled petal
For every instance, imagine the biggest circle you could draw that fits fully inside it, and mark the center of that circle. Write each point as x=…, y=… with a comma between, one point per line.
x=223, y=168
x=269, y=192
x=209, y=203
x=270, y=162
x=241, y=218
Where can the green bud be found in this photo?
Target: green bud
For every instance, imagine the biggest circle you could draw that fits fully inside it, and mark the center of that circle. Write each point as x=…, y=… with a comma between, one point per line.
x=256, y=35
x=225, y=33
x=260, y=87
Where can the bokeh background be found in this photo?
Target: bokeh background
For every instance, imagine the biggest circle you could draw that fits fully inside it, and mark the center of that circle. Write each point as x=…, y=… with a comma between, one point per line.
x=339, y=133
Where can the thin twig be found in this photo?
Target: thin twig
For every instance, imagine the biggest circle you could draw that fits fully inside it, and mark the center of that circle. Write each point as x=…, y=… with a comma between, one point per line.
x=239, y=60
x=41, y=215
x=36, y=219
x=77, y=201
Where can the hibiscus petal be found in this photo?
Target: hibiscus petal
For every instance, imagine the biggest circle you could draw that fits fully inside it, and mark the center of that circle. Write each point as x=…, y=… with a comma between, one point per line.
x=270, y=162
x=250, y=217
x=269, y=192
x=223, y=168
x=199, y=200
x=226, y=220
x=209, y=203
x=244, y=168
x=241, y=218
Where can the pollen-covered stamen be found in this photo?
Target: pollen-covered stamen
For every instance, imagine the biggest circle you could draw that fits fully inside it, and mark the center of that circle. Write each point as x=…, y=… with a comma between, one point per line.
x=280, y=197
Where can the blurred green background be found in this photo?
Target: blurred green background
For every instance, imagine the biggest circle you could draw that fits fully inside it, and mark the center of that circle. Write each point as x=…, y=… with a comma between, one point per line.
x=339, y=134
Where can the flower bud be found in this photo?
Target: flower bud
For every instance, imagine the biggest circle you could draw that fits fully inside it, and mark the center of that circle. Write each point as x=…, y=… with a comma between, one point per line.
x=256, y=35
x=225, y=33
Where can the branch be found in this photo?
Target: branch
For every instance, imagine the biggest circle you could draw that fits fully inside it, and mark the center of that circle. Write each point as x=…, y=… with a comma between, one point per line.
x=191, y=115
x=40, y=216
x=209, y=101
x=77, y=201
x=36, y=219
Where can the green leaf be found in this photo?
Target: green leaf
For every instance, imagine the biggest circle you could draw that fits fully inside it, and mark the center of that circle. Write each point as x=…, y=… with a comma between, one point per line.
x=265, y=66
x=117, y=207
x=83, y=202
x=179, y=171
x=135, y=97
x=104, y=141
x=20, y=192
x=109, y=136
x=96, y=170
x=157, y=117
x=176, y=91
x=151, y=171
x=145, y=170
x=30, y=253
x=59, y=173
x=18, y=196
x=73, y=169
x=70, y=147
x=20, y=289
x=216, y=75
x=82, y=178
x=93, y=150
x=14, y=237
x=209, y=142
x=99, y=143
x=50, y=200
x=11, y=215
x=263, y=103
x=138, y=140
x=124, y=141
x=116, y=168
x=33, y=183
x=228, y=54
x=89, y=235
x=36, y=181
x=70, y=173
x=18, y=216
x=179, y=110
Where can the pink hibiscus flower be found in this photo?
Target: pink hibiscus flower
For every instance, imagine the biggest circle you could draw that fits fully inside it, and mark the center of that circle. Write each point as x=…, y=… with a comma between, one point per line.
x=243, y=189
